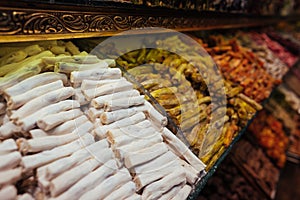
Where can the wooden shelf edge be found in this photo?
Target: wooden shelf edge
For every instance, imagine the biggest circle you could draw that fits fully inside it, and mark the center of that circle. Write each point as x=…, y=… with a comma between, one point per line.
x=30, y=22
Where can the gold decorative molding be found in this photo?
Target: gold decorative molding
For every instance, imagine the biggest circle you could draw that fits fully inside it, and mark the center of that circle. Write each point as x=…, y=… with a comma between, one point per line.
x=44, y=22
x=27, y=22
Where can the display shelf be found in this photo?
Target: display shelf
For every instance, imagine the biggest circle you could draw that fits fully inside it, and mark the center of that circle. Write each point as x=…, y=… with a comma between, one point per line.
x=253, y=177
x=231, y=182
x=30, y=21
x=27, y=21
x=202, y=182
x=223, y=152
x=286, y=110
x=200, y=185
x=287, y=41
x=171, y=124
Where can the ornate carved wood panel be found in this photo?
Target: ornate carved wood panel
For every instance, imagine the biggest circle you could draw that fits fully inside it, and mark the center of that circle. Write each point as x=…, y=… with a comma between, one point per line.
x=47, y=21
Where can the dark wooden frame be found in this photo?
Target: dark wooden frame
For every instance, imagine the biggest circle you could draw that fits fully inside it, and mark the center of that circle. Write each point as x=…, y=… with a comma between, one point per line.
x=24, y=21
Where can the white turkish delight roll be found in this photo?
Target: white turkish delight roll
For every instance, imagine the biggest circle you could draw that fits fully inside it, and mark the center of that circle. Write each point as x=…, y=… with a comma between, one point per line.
x=42, y=101
x=90, y=181
x=99, y=102
x=50, y=121
x=10, y=160
x=94, y=113
x=183, y=193
x=101, y=131
x=10, y=176
x=92, y=84
x=109, y=117
x=139, y=157
x=35, y=81
x=136, y=145
x=122, y=192
x=166, y=159
x=8, y=129
x=7, y=146
x=68, y=126
x=8, y=192
x=86, y=59
x=95, y=74
x=37, y=160
x=66, y=67
x=112, y=88
x=181, y=150
x=19, y=100
x=106, y=187
x=156, y=189
x=155, y=116
x=123, y=103
x=30, y=121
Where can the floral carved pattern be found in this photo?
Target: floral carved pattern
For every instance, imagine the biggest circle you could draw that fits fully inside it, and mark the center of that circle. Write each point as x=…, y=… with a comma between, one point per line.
x=37, y=22
x=28, y=23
